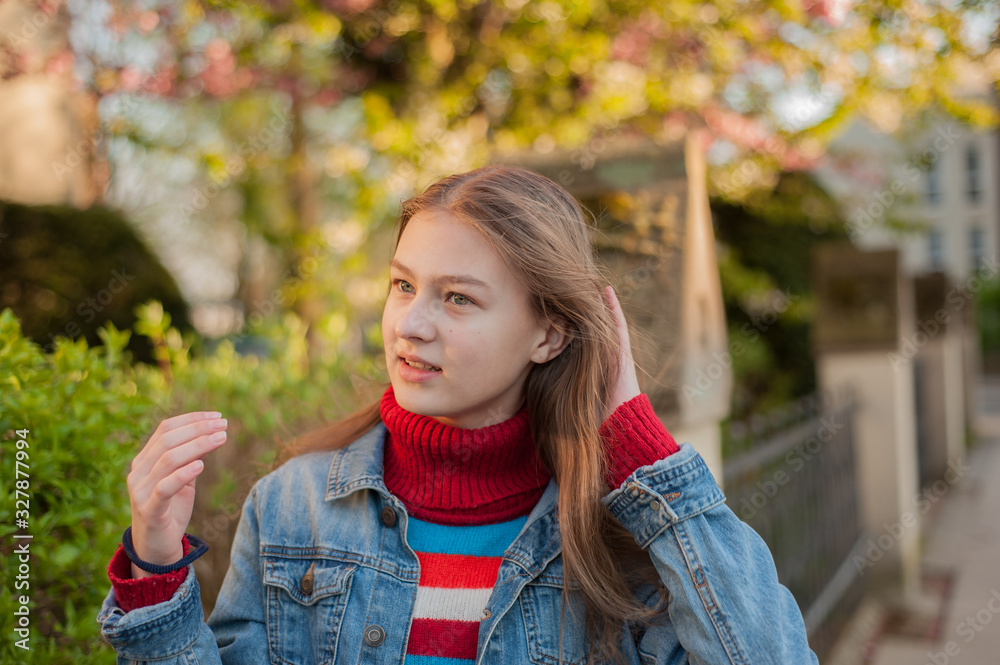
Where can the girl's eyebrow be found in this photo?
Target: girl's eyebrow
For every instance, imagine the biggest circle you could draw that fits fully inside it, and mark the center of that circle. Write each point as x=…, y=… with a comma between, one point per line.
x=443, y=279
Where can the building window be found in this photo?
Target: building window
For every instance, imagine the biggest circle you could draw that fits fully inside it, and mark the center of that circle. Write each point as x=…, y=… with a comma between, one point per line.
x=973, y=174
x=934, y=182
x=935, y=248
x=977, y=247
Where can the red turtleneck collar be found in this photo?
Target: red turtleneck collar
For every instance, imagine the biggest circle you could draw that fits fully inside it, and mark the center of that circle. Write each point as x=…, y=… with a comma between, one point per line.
x=451, y=475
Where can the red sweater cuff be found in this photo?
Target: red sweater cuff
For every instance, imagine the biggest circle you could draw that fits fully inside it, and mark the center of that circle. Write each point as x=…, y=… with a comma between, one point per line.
x=634, y=437
x=134, y=593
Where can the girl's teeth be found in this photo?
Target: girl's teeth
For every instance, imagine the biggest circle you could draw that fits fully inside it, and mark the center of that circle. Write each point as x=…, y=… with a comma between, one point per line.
x=422, y=366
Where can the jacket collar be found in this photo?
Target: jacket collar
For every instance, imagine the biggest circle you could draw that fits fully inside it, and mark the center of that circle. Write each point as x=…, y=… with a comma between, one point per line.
x=359, y=465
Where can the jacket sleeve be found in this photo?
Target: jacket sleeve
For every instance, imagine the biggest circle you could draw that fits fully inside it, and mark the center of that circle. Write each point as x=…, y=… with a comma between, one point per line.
x=175, y=631
x=726, y=604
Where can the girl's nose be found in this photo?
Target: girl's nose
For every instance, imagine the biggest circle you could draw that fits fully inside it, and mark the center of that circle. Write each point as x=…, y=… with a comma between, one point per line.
x=416, y=319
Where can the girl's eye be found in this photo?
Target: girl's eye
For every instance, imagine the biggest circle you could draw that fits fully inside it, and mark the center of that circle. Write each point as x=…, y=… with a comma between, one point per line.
x=461, y=300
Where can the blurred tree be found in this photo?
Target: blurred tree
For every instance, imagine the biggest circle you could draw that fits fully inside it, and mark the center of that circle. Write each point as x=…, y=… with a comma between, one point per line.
x=383, y=96
x=764, y=260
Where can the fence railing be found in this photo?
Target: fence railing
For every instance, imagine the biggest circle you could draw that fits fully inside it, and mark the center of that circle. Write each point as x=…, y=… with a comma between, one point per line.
x=790, y=474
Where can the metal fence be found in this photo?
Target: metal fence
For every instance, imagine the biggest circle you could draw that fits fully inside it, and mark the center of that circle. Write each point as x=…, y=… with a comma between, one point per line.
x=790, y=474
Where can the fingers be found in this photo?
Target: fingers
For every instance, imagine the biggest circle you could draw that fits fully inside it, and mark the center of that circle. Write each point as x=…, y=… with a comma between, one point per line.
x=619, y=318
x=167, y=438
x=186, y=445
x=169, y=463
x=186, y=419
x=167, y=488
x=612, y=297
x=614, y=306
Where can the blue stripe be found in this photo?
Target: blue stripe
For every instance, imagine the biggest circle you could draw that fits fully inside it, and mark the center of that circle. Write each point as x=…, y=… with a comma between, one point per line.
x=437, y=660
x=474, y=540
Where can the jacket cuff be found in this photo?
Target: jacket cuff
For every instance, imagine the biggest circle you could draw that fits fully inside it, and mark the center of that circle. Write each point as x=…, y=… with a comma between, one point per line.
x=634, y=437
x=132, y=593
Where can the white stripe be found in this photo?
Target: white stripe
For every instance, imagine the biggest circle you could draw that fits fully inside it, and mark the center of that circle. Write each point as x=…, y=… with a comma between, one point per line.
x=451, y=604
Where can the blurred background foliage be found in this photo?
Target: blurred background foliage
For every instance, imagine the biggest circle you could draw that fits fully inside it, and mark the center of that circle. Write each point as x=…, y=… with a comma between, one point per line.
x=88, y=411
x=988, y=320
x=765, y=262
x=281, y=135
x=81, y=411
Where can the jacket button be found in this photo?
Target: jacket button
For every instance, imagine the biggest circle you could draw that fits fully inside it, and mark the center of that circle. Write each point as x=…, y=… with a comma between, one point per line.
x=374, y=635
x=306, y=583
x=388, y=516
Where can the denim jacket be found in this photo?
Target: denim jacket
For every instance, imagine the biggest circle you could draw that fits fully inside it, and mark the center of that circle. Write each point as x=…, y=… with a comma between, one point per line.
x=330, y=512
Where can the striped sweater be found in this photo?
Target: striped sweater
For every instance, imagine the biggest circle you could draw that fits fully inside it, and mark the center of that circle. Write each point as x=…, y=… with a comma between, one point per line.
x=458, y=568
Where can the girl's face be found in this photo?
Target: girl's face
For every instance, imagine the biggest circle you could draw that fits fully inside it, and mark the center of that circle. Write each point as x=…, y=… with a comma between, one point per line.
x=455, y=305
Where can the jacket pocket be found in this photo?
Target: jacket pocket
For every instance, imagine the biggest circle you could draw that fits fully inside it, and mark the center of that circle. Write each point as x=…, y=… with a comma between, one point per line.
x=306, y=598
x=541, y=604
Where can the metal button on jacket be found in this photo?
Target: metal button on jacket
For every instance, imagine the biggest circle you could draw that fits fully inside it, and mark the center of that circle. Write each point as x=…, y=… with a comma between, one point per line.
x=374, y=635
x=388, y=516
x=306, y=583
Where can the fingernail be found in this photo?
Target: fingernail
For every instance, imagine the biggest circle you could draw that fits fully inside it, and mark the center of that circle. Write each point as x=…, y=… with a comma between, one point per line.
x=213, y=414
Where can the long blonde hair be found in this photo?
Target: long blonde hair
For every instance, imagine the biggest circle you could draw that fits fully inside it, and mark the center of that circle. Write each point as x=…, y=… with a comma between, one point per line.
x=541, y=232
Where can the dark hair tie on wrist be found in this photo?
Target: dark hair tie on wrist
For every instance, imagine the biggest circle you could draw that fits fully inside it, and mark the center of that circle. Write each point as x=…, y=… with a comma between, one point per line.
x=200, y=548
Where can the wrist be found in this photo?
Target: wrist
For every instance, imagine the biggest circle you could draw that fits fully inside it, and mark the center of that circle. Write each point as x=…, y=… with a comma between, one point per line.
x=139, y=573
x=192, y=547
x=176, y=555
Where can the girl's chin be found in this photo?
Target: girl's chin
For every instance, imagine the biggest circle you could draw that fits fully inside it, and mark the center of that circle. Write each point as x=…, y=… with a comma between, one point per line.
x=413, y=399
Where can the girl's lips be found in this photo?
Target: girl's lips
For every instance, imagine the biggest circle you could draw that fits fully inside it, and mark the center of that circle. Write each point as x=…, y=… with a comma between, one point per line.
x=408, y=373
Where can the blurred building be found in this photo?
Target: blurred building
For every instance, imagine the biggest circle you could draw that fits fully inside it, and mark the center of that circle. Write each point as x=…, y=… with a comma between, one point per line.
x=929, y=190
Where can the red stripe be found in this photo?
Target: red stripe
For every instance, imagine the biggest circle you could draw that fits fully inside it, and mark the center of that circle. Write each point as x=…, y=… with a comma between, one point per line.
x=443, y=638
x=458, y=571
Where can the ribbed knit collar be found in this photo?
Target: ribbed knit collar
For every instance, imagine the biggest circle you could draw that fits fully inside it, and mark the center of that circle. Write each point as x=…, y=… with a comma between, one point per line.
x=451, y=475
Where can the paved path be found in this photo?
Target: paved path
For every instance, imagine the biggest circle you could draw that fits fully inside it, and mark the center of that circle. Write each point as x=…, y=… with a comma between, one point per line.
x=962, y=536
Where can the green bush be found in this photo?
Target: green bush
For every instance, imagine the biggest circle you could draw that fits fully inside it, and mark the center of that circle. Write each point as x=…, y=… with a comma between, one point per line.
x=89, y=411
x=80, y=410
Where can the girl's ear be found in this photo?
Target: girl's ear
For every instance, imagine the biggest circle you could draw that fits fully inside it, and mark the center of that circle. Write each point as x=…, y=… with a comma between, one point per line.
x=555, y=341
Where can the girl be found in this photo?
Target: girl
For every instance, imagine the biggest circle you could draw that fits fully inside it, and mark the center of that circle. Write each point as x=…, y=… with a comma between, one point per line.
x=510, y=498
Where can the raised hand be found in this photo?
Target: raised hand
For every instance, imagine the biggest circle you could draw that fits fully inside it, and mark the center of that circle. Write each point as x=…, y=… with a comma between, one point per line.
x=161, y=484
